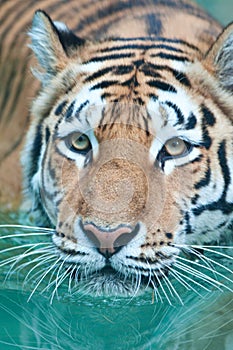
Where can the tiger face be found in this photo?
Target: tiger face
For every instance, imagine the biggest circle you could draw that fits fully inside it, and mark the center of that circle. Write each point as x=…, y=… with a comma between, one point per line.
x=129, y=154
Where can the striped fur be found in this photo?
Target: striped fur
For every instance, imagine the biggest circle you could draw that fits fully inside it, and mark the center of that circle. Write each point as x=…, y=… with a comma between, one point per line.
x=136, y=75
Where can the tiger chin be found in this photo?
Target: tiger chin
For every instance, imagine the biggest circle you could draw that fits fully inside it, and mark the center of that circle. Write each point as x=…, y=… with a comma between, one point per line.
x=129, y=154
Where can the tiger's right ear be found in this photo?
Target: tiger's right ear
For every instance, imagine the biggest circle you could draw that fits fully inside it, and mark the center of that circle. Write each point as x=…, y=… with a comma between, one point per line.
x=52, y=43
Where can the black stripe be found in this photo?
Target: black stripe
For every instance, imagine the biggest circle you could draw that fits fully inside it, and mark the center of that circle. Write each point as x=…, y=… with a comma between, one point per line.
x=98, y=74
x=188, y=227
x=161, y=85
x=60, y=108
x=179, y=76
x=221, y=204
x=122, y=5
x=207, y=141
x=109, y=57
x=206, y=180
x=69, y=112
x=47, y=134
x=35, y=152
x=209, y=118
x=222, y=157
x=154, y=24
x=178, y=112
x=166, y=40
x=182, y=78
x=167, y=56
x=191, y=122
x=123, y=69
x=195, y=199
x=104, y=84
x=141, y=47
x=132, y=82
x=80, y=108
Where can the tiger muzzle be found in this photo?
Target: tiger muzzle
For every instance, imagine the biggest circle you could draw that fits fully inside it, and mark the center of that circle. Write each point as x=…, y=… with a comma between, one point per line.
x=109, y=242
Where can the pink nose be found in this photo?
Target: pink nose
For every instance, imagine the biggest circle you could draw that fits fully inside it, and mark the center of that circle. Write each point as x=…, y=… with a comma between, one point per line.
x=110, y=241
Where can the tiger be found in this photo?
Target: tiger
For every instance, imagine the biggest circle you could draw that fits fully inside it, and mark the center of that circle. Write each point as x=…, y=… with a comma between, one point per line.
x=128, y=150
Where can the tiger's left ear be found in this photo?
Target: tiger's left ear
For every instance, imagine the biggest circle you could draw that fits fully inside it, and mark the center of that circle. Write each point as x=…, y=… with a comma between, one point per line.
x=219, y=58
x=52, y=44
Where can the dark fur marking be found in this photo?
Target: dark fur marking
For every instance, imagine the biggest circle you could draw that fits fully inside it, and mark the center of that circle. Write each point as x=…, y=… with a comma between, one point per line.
x=191, y=122
x=221, y=204
x=80, y=108
x=167, y=56
x=182, y=78
x=47, y=134
x=69, y=112
x=177, y=111
x=110, y=57
x=98, y=74
x=206, y=180
x=188, y=228
x=104, y=84
x=209, y=118
x=60, y=108
x=161, y=85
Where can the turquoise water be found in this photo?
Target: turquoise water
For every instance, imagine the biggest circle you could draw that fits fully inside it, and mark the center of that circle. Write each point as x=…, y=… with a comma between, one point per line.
x=68, y=320
x=34, y=316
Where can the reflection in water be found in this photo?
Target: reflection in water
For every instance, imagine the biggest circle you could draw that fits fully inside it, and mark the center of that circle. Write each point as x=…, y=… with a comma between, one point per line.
x=203, y=320
x=90, y=323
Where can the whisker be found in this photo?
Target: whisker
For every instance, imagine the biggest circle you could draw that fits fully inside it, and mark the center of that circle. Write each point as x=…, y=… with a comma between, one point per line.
x=44, y=261
x=161, y=286
x=199, y=275
x=210, y=249
x=156, y=291
x=190, y=279
x=6, y=250
x=207, y=268
x=30, y=252
x=178, y=277
x=25, y=235
x=25, y=227
x=42, y=278
x=59, y=281
x=70, y=278
x=170, y=287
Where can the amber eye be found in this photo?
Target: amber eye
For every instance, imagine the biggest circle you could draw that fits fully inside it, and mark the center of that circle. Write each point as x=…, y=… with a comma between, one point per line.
x=79, y=142
x=175, y=147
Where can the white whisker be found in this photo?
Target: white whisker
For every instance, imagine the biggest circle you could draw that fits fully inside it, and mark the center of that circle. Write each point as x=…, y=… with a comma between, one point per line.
x=178, y=276
x=161, y=286
x=23, y=227
x=170, y=286
x=42, y=278
x=156, y=291
x=210, y=249
x=26, y=254
x=6, y=250
x=70, y=278
x=209, y=269
x=59, y=281
x=44, y=261
x=190, y=279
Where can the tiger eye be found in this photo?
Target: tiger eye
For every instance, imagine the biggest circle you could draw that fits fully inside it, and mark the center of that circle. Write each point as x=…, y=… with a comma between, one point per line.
x=80, y=142
x=175, y=147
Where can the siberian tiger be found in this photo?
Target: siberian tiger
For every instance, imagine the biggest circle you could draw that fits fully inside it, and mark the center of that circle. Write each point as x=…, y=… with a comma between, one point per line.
x=129, y=150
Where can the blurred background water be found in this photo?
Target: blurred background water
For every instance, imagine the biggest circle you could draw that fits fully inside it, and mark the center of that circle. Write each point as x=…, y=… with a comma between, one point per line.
x=73, y=321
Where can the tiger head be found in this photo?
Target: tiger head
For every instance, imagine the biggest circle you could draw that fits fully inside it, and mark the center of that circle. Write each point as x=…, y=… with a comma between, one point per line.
x=129, y=155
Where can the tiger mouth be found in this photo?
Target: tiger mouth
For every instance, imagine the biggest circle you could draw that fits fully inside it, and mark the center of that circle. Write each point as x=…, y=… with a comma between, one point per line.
x=110, y=282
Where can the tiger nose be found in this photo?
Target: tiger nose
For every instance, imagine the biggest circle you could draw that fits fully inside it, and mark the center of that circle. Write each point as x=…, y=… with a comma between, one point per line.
x=111, y=241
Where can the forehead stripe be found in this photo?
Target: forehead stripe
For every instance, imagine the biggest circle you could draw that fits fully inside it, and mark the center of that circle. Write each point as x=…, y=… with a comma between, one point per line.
x=69, y=111
x=80, y=108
